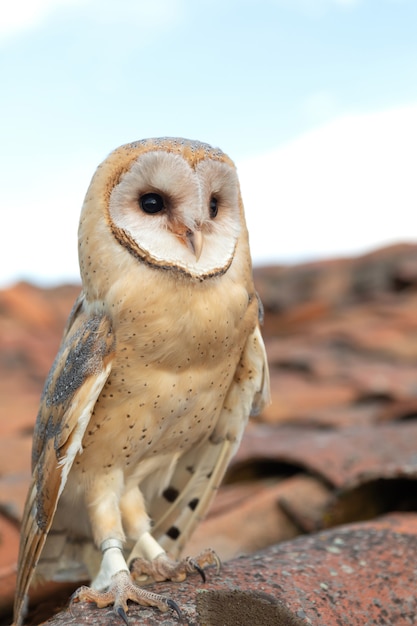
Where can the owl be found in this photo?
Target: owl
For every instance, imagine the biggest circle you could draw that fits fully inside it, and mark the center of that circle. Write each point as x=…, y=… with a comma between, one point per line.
x=160, y=366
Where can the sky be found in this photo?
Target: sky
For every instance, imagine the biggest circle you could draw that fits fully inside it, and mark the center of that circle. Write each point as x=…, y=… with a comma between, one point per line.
x=314, y=100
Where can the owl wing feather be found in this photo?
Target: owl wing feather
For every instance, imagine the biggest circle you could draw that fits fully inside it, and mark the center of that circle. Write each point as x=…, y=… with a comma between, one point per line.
x=76, y=379
x=200, y=471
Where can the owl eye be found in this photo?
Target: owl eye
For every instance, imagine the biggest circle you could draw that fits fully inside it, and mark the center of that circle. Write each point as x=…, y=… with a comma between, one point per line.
x=151, y=203
x=213, y=207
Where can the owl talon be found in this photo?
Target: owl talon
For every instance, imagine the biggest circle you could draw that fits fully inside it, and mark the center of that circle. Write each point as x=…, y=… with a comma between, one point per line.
x=174, y=606
x=205, y=559
x=199, y=570
x=73, y=597
x=120, y=611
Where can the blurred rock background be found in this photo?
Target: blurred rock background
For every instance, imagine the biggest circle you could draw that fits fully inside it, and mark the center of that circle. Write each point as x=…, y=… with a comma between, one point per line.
x=325, y=479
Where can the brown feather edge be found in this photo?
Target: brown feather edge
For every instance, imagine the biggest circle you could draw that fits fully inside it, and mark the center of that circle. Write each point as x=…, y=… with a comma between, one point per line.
x=40, y=524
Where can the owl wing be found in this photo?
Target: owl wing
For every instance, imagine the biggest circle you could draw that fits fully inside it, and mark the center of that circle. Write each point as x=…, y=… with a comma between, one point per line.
x=76, y=379
x=200, y=471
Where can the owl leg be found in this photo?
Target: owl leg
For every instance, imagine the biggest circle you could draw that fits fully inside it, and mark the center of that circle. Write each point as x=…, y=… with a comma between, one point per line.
x=148, y=560
x=121, y=587
x=113, y=583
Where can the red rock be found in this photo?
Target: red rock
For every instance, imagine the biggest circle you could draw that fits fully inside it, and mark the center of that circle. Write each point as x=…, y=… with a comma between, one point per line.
x=270, y=515
x=357, y=575
x=341, y=458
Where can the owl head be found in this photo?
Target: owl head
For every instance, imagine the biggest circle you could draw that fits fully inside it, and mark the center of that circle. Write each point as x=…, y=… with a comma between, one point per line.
x=172, y=204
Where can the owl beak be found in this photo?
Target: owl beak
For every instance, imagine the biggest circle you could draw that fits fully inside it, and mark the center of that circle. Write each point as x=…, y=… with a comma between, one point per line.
x=195, y=242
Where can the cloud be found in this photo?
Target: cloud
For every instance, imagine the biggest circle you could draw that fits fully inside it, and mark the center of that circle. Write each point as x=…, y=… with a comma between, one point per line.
x=25, y=14
x=146, y=13
x=341, y=189
x=43, y=216
x=320, y=106
x=316, y=7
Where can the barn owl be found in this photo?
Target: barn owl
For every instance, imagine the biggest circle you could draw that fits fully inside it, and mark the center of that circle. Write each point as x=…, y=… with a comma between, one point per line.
x=160, y=366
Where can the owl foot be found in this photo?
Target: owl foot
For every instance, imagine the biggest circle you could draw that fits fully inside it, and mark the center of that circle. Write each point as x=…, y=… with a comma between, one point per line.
x=163, y=568
x=122, y=589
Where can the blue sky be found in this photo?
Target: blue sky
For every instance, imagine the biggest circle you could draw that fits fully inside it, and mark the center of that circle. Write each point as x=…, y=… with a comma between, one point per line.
x=315, y=100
